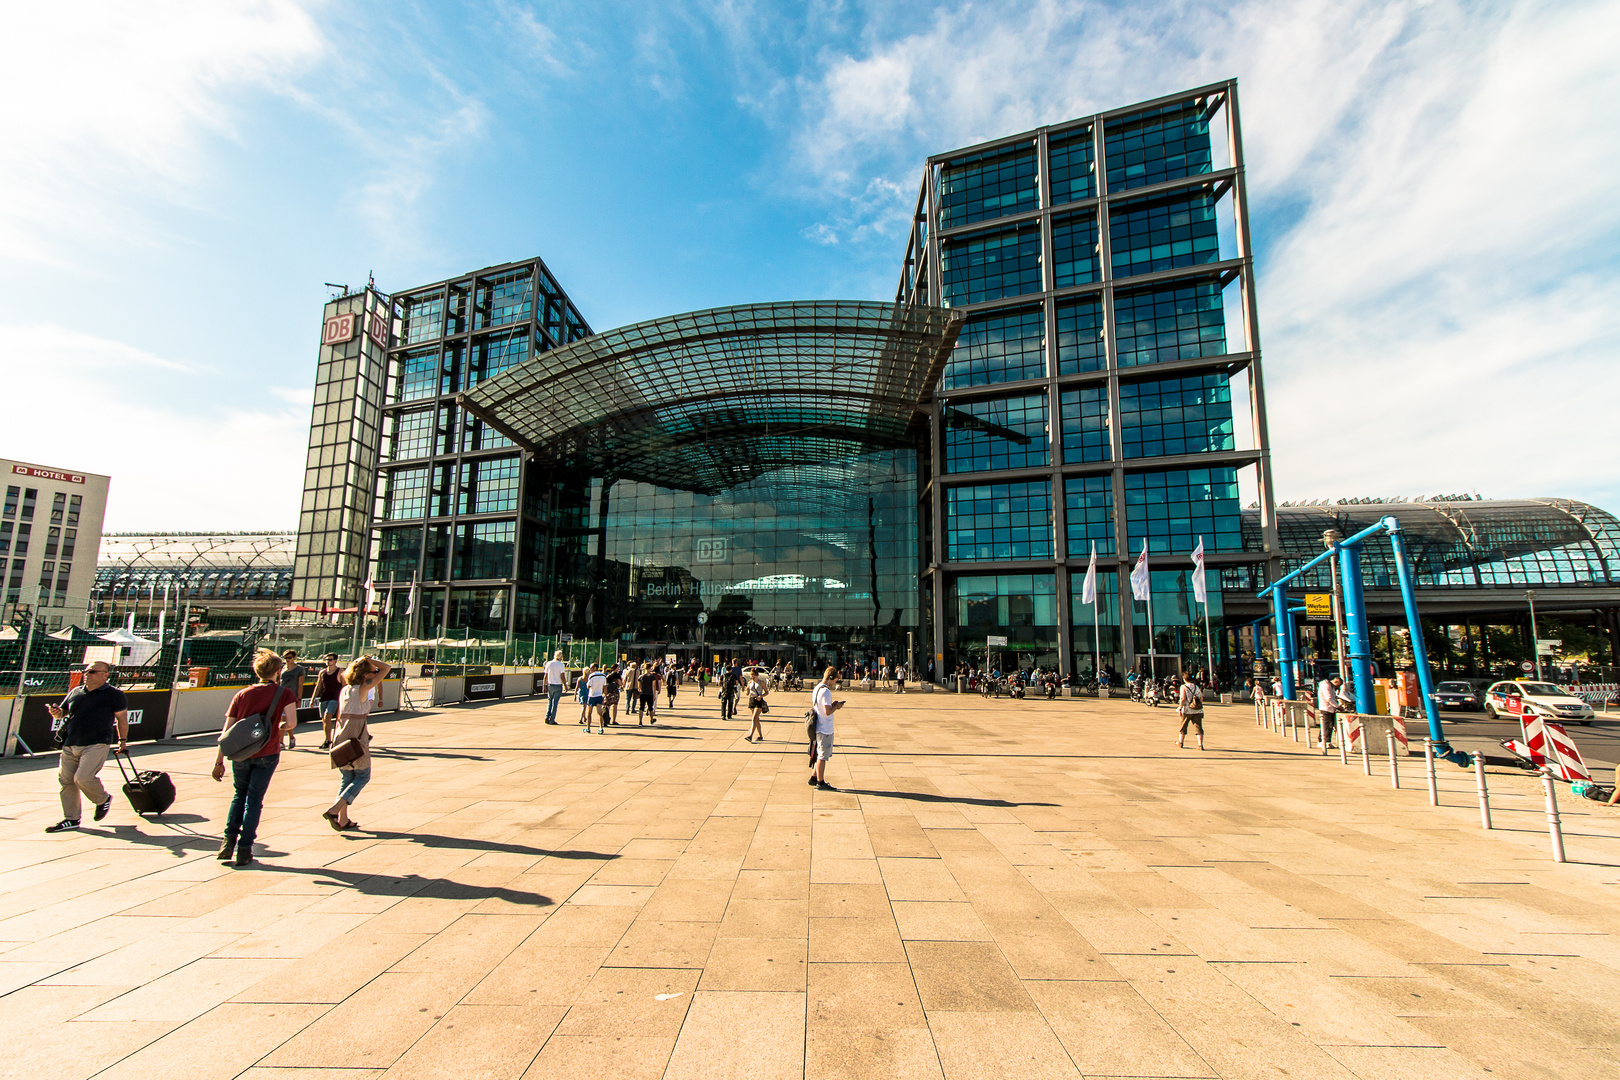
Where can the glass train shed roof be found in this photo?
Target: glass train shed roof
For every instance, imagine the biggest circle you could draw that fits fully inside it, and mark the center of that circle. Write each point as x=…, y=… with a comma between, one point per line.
x=711, y=399
x=1541, y=543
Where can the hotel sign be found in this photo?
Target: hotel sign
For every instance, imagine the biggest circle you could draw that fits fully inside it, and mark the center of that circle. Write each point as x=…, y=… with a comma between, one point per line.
x=47, y=474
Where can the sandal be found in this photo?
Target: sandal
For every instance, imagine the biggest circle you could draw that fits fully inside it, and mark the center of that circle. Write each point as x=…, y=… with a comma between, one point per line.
x=349, y=826
x=331, y=819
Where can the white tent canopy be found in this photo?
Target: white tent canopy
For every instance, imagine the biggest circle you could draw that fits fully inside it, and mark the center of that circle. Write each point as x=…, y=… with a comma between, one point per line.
x=135, y=650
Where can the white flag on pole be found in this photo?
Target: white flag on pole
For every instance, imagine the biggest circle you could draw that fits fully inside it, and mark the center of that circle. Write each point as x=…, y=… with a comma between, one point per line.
x=1141, y=589
x=1200, y=588
x=1088, y=591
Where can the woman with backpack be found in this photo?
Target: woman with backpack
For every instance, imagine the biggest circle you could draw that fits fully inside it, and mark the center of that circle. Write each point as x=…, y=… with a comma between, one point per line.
x=354, y=710
x=1190, y=704
x=251, y=775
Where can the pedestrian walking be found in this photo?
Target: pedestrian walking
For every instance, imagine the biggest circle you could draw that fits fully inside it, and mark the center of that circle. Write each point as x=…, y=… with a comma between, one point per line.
x=648, y=683
x=328, y=686
x=671, y=678
x=293, y=675
x=1190, y=704
x=556, y=683
x=354, y=714
x=92, y=716
x=595, y=683
x=822, y=706
x=251, y=776
x=900, y=679
x=612, y=686
x=758, y=690
x=1327, y=709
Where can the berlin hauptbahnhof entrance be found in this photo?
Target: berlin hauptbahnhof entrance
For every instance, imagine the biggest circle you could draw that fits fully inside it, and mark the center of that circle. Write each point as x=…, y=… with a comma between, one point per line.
x=1069, y=371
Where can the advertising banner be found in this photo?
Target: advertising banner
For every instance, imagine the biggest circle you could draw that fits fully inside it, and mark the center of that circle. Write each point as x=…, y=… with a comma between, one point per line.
x=482, y=688
x=148, y=716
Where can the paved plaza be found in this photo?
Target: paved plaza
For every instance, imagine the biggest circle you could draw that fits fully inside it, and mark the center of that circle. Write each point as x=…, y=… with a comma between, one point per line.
x=1002, y=889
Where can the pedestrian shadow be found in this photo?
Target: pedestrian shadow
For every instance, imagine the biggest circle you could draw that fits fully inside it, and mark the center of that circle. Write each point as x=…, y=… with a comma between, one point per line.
x=179, y=839
x=465, y=843
x=383, y=751
x=407, y=885
x=923, y=796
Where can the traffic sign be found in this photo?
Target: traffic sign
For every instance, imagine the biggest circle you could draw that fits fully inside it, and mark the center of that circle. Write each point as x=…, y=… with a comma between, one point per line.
x=703, y=617
x=993, y=641
x=1528, y=666
x=564, y=639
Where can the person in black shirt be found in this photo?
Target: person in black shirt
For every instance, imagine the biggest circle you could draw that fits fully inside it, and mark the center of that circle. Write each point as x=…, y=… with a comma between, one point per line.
x=92, y=715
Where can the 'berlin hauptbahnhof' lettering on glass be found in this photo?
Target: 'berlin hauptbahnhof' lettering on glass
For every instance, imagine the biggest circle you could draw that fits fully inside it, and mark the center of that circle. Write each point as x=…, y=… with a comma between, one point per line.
x=1071, y=362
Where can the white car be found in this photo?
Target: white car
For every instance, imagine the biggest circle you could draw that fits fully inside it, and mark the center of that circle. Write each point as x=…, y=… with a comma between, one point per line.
x=1520, y=697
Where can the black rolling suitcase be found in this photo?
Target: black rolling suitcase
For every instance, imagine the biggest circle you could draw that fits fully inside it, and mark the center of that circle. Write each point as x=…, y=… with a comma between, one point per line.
x=149, y=792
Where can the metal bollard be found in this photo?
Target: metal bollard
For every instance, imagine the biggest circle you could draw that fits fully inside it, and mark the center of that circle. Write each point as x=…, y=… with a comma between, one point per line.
x=1428, y=764
x=1394, y=769
x=1293, y=723
x=1366, y=757
x=1344, y=741
x=1555, y=831
x=1484, y=792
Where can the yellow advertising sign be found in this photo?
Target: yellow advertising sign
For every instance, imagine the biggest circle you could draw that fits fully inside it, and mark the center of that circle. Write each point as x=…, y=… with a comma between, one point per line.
x=1318, y=607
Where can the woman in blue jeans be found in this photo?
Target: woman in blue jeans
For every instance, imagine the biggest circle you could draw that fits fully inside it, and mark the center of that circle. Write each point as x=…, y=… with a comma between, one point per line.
x=354, y=708
x=251, y=776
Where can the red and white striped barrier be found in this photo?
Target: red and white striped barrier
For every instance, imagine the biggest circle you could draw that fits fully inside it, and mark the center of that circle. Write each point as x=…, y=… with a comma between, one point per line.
x=1548, y=746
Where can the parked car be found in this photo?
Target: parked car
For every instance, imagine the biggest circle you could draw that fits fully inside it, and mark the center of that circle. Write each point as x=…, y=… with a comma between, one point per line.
x=1518, y=697
x=1457, y=695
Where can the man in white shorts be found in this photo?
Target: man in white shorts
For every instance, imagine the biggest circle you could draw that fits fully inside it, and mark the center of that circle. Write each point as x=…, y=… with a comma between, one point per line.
x=823, y=705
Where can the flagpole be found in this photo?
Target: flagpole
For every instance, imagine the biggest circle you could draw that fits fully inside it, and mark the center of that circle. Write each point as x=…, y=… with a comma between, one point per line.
x=1209, y=642
x=1096, y=626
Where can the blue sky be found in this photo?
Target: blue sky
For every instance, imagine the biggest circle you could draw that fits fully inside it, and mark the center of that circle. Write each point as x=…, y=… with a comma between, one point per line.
x=1432, y=186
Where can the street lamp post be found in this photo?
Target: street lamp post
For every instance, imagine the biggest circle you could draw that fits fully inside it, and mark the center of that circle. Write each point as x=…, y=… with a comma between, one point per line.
x=1535, y=642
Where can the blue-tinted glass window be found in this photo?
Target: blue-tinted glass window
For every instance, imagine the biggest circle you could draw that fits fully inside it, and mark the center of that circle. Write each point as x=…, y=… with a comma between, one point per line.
x=397, y=553
x=1190, y=415
x=998, y=522
x=455, y=310
x=1171, y=510
x=424, y=318
x=988, y=185
x=1085, y=424
x=1074, y=168
x=477, y=435
x=1088, y=514
x=450, y=372
x=575, y=330
x=489, y=487
x=1019, y=603
x=413, y=435
x=406, y=494
x=1080, y=345
x=485, y=549
x=1002, y=433
x=494, y=354
x=999, y=347
x=989, y=265
x=1076, y=256
x=1156, y=146
x=1183, y=321
x=1150, y=235
x=418, y=374
x=507, y=298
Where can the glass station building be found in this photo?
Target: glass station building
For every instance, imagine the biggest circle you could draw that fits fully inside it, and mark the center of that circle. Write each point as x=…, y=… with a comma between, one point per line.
x=1070, y=363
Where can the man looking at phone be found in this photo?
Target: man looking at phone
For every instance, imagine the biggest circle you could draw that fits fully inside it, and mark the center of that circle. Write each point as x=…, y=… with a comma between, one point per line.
x=89, y=714
x=823, y=705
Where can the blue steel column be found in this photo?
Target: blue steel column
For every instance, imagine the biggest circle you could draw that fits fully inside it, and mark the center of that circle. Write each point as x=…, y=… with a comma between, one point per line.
x=1284, y=623
x=1414, y=626
x=1357, y=644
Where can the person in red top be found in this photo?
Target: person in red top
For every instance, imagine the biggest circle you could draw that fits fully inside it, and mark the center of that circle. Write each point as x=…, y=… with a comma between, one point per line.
x=252, y=775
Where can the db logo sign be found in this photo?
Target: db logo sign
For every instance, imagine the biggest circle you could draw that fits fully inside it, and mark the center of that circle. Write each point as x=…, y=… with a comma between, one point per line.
x=713, y=550
x=339, y=328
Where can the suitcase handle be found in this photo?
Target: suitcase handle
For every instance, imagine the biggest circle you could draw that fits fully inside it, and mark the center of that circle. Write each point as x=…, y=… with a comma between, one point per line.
x=137, y=778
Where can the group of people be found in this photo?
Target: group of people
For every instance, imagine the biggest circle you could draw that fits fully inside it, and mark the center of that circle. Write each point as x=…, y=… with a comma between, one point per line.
x=93, y=722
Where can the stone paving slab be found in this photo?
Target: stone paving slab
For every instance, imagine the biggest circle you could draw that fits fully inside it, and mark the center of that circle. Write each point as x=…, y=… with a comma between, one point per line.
x=1000, y=889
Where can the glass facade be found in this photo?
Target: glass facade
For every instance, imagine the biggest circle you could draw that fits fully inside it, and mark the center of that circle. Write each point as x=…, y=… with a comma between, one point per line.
x=1163, y=233
x=1157, y=145
x=991, y=264
x=1022, y=608
x=1191, y=415
x=1085, y=425
x=1005, y=346
x=993, y=184
x=1004, y=522
x=1172, y=322
x=1088, y=515
x=1074, y=167
x=1171, y=510
x=997, y=433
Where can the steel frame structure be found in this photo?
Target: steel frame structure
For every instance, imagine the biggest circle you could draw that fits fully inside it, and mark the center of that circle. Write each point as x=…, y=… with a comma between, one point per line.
x=921, y=282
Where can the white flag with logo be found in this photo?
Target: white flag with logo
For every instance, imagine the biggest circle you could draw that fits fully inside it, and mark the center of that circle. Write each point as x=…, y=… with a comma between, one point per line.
x=1140, y=588
x=1200, y=588
x=1088, y=591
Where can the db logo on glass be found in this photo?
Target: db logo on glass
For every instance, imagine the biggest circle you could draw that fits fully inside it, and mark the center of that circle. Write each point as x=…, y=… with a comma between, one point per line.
x=339, y=328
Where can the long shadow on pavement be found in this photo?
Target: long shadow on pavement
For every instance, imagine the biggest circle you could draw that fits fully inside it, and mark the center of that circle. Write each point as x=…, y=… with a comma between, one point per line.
x=923, y=796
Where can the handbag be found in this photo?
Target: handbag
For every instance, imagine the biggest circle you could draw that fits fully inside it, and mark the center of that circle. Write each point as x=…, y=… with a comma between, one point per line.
x=249, y=734
x=349, y=751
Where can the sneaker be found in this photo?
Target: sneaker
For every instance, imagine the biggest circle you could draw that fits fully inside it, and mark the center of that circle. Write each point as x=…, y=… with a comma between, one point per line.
x=244, y=855
x=811, y=781
x=103, y=808
x=826, y=787
x=553, y=722
x=326, y=746
x=64, y=825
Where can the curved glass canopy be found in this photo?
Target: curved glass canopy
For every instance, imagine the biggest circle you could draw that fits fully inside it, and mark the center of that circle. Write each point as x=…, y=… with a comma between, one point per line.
x=711, y=399
x=1544, y=543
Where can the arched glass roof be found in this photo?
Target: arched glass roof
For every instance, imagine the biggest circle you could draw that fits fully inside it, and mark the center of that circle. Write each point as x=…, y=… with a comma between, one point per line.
x=196, y=551
x=1540, y=543
x=710, y=399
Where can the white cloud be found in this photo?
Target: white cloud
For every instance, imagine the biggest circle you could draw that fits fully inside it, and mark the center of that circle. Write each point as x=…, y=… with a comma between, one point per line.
x=179, y=455
x=101, y=97
x=1432, y=184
